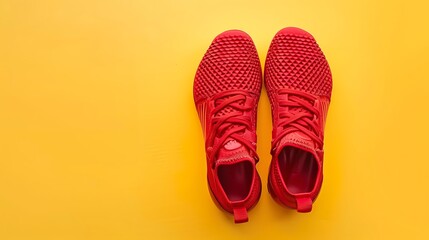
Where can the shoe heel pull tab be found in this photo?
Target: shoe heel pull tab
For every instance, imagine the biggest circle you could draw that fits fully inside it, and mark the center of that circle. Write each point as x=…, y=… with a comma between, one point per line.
x=240, y=215
x=304, y=204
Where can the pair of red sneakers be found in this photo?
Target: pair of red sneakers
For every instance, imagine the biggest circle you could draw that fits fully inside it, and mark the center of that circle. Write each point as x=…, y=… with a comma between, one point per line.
x=227, y=87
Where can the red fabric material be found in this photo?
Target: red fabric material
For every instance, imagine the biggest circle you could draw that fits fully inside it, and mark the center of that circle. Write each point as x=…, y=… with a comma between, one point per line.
x=227, y=86
x=299, y=84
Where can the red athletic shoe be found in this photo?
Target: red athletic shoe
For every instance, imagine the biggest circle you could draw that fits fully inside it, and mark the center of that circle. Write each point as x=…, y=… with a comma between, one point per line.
x=227, y=86
x=299, y=85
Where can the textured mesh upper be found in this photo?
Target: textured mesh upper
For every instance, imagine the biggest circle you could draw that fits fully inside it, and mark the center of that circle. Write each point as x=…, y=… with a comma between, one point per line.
x=295, y=61
x=230, y=63
x=225, y=110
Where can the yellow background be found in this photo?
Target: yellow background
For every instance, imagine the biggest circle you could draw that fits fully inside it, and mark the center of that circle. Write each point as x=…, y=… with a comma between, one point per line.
x=99, y=138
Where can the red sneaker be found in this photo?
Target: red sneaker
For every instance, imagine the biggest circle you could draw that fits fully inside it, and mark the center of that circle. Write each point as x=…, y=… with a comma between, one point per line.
x=299, y=85
x=227, y=86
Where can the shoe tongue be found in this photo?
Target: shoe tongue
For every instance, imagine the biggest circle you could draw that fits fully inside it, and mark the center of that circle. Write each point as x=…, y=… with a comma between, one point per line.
x=298, y=139
x=232, y=152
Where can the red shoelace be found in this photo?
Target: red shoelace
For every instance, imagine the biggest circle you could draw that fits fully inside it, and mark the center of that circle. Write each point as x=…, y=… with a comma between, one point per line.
x=231, y=124
x=297, y=113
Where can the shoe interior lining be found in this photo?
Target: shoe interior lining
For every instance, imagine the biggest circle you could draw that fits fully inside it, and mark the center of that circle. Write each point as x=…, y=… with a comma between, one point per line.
x=298, y=169
x=236, y=180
